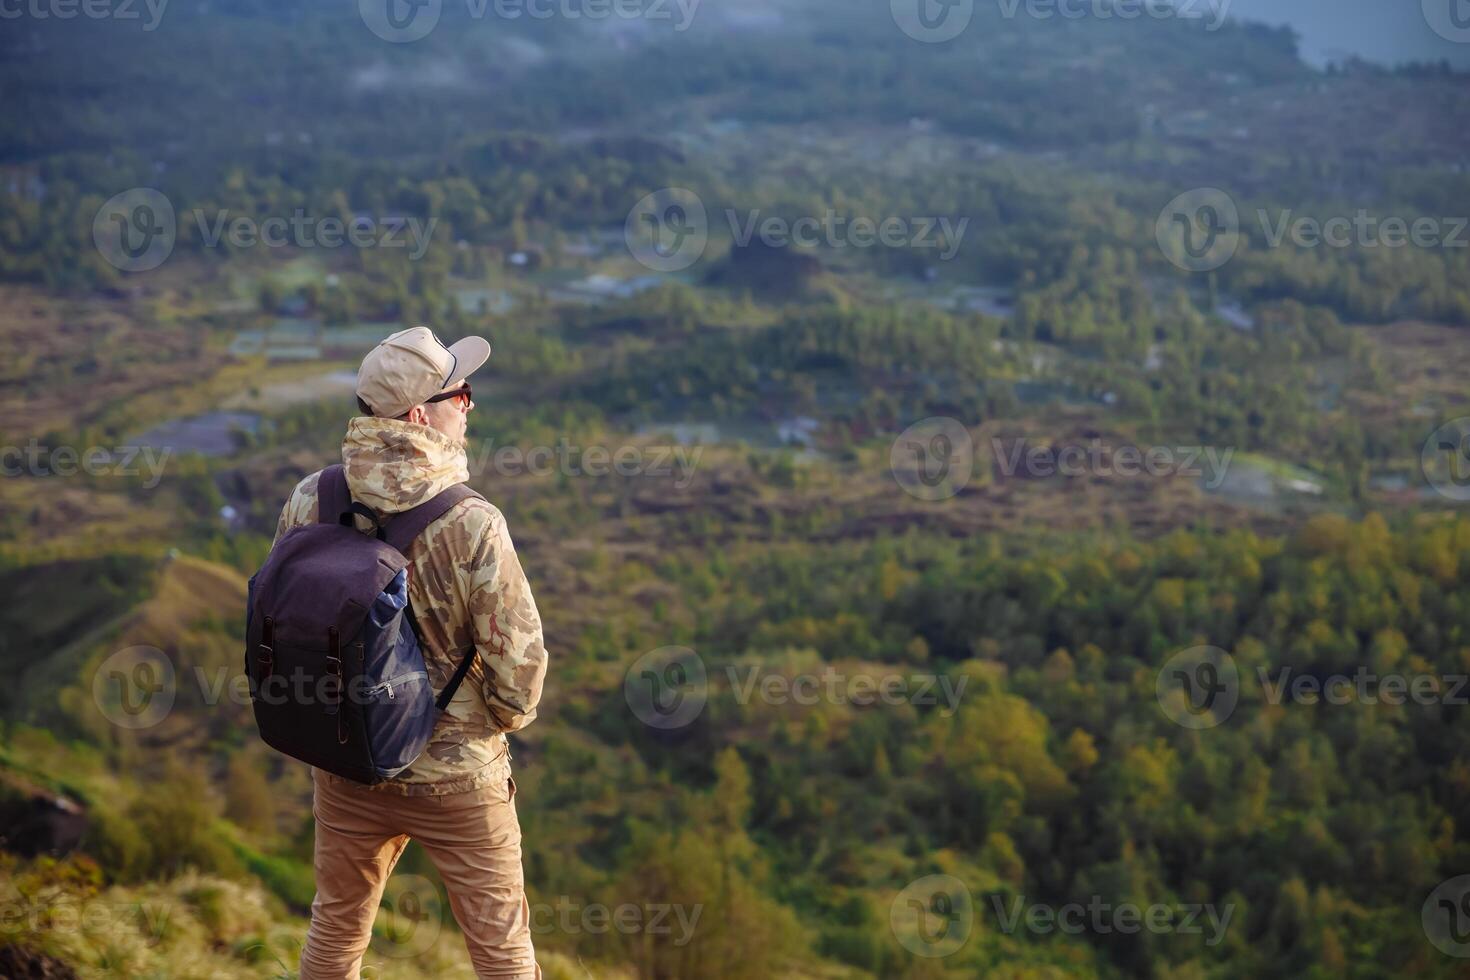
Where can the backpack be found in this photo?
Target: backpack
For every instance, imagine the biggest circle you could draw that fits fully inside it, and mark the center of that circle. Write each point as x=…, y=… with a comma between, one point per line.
x=333, y=653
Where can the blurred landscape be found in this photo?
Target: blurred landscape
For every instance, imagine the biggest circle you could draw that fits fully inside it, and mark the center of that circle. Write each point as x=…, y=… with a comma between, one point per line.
x=992, y=474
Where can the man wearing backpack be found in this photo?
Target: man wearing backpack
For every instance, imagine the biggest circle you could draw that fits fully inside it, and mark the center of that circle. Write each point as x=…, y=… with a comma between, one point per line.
x=466, y=591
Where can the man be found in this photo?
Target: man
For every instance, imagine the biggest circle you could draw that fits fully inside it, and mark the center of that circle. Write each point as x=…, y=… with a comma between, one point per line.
x=465, y=585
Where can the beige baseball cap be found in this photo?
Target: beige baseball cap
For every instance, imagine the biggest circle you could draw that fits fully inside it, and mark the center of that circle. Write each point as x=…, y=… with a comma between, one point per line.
x=412, y=366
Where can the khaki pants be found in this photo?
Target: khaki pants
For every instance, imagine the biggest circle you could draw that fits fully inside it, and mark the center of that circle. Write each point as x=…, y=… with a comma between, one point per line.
x=473, y=839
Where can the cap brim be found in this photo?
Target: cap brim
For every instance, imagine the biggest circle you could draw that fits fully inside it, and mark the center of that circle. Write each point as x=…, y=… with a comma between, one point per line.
x=470, y=354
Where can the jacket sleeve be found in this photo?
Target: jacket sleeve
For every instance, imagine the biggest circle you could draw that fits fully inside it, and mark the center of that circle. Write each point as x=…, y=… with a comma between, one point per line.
x=507, y=629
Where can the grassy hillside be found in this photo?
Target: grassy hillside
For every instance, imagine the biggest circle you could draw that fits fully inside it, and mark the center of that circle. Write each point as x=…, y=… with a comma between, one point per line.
x=196, y=927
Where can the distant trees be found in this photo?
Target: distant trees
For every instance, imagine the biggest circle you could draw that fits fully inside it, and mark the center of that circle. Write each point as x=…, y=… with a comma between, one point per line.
x=1059, y=774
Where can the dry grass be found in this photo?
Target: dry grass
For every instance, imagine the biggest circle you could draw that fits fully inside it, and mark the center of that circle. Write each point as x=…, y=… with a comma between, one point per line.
x=1426, y=366
x=75, y=364
x=198, y=927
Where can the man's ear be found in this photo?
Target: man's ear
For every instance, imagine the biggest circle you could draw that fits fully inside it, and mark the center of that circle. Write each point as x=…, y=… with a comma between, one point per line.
x=418, y=415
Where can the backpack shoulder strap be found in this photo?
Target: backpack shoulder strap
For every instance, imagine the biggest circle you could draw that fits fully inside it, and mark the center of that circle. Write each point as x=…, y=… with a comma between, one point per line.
x=332, y=495
x=408, y=525
x=401, y=532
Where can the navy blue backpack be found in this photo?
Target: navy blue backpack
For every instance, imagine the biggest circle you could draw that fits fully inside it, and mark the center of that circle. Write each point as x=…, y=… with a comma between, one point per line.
x=332, y=650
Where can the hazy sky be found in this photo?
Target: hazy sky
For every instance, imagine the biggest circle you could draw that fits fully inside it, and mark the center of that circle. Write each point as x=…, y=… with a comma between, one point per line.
x=1379, y=30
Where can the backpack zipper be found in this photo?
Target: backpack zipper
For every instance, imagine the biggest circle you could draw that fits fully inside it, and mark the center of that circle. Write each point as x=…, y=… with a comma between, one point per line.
x=392, y=682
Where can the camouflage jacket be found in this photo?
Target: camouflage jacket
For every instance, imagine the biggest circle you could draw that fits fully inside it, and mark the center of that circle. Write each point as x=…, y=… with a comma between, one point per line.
x=465, y=585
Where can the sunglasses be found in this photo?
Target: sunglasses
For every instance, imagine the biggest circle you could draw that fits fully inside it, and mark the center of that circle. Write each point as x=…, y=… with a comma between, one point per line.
x=462, y=392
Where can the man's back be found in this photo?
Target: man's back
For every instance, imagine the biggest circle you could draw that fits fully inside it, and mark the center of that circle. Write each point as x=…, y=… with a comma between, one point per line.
x=466, y=586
